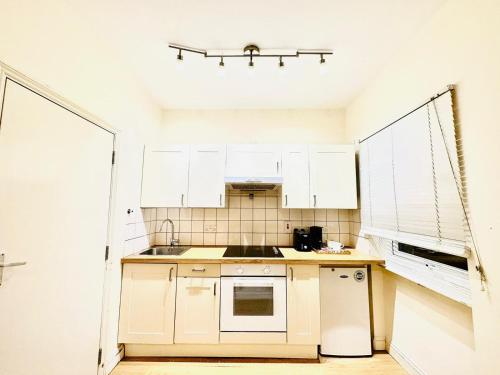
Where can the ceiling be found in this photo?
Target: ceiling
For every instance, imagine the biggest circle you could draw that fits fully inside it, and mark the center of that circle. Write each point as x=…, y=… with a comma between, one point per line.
x=364, y=35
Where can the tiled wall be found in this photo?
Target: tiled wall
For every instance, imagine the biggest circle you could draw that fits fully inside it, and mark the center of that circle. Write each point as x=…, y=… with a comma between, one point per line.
x=354, y=226
x=140, y=230
x=246, y=221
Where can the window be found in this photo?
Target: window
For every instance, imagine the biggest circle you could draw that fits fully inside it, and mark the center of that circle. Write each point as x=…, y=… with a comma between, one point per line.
x=436, y=256
x=412, y=201
x=410, y=181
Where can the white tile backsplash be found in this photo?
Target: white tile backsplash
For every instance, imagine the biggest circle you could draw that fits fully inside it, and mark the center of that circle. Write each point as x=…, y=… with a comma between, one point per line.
x=249, y=221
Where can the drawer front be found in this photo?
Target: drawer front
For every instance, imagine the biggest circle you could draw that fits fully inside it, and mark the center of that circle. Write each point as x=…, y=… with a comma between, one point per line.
x=198, y=270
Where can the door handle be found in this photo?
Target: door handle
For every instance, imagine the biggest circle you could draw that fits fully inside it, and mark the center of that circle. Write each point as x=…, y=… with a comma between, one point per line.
x=170, y=274
x=13, y=264
x=182, y=200
x=220, y=200
x=215, y=290
x=291, y=274
x=277, y=167
x=286, y=200
x=314, y=196
x=6, y=265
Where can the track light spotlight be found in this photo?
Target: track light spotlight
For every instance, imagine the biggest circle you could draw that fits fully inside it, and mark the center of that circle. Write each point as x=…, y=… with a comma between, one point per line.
x=250, y=64
x=221, y=63
x=179, y=55
x=322, y=59
x=281, y=64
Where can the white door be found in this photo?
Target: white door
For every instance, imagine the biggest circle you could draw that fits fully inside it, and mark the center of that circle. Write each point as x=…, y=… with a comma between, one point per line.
x=333, y=176
x=206, y=176
x=147, y=306
x=248, y=160
x=55, y=176
x=197, y=310
x=165, y=176
x=295, y=190
x=303, y=305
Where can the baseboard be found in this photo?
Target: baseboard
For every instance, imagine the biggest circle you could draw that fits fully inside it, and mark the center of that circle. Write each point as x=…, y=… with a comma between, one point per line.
x=379, y=343
x=410, y=366
x=222, y=350
x=112, y=362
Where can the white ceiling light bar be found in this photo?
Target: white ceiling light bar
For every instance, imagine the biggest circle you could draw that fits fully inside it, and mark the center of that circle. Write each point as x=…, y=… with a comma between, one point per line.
x=252, y=51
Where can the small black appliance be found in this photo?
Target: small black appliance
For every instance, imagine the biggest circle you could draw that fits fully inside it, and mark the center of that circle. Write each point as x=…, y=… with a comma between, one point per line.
x=301, y=239
x=316, y=237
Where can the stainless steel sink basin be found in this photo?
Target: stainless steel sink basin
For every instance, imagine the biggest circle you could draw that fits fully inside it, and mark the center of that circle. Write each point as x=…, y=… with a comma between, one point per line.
x=166, y=250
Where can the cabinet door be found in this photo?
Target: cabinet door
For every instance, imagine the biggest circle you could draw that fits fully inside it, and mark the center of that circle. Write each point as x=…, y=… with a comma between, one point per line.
x=253, y=161
x=303, y=305
x=206, y=176
x=333, y=176
x=165, y=176
x=197, y=317
x=295, y=170
x=148, y=304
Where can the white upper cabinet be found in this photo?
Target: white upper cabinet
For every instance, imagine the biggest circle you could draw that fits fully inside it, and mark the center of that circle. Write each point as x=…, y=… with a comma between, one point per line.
x=206, y=176
x=295, y=171
x=247, y=160
x=165, y=176
x=315, y=176
x=333, y=176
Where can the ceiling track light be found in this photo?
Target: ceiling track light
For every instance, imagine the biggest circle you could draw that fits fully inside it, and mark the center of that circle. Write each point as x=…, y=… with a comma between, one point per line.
x=252, y=51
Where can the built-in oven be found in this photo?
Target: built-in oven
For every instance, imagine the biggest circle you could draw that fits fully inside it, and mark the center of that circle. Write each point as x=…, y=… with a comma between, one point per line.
x=253, y=298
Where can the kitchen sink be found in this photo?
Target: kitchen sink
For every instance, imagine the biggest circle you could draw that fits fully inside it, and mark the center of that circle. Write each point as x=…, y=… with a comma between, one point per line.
x=166, y=250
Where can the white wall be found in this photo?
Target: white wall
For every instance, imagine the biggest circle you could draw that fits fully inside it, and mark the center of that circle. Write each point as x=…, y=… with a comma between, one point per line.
x=49, y=42
x=459, y=45
x=253, y=126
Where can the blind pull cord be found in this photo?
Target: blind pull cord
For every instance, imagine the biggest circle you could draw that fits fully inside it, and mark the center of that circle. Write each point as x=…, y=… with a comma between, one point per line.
x=475, y=249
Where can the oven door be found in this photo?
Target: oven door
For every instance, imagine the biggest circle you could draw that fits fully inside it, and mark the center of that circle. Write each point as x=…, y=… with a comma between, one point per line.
x=253, y=304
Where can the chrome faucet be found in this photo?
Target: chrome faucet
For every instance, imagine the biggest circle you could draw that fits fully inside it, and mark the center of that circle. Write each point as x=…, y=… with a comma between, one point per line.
x=173, y=241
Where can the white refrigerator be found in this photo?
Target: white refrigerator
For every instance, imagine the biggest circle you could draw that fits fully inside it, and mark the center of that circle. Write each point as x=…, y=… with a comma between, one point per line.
x=345, y=312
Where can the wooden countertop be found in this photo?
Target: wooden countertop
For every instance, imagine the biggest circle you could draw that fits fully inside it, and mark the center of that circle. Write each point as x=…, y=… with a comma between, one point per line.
x=291, y=256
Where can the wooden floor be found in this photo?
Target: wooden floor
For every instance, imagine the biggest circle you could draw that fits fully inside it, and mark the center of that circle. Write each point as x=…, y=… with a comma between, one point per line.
x=379, y=364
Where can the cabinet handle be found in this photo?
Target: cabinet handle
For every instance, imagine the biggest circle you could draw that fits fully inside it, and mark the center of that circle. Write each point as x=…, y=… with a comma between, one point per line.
x=220, y=200
x=277, y=167
x=170, y=274
x=286, y=200
x=215, y=289
x=182, y=200
x=314, y=196
x=291, y=274
x=198, y=270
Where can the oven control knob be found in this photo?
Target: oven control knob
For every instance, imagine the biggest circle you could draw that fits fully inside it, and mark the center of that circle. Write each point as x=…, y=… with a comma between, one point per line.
x=267, y=270
x=239, y=270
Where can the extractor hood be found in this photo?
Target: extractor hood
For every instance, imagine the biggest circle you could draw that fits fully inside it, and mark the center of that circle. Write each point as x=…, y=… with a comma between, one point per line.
x=253, y=183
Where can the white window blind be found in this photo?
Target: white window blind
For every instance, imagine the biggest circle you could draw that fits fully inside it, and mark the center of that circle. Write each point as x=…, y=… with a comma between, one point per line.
x=408, y=187
x=382, y=200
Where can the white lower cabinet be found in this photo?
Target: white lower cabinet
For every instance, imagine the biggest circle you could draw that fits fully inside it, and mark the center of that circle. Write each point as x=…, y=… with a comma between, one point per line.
x=197, y=316
x=303, y=304
x=148, y=304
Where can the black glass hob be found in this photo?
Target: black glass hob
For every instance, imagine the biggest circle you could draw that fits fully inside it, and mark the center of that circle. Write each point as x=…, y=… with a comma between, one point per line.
x=252, y=252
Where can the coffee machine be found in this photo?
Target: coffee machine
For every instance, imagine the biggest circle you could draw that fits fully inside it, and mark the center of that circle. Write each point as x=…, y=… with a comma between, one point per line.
x=307, y=239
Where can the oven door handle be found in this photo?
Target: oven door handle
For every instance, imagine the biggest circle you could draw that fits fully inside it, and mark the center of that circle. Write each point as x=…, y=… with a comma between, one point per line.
x=254, y=284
